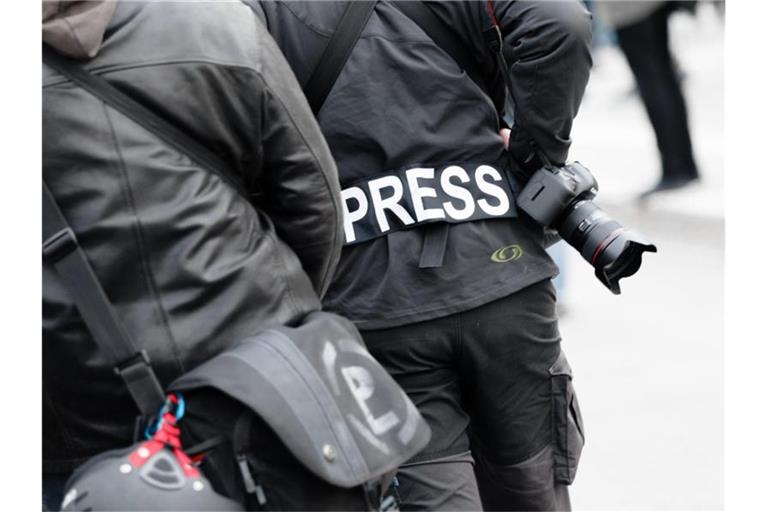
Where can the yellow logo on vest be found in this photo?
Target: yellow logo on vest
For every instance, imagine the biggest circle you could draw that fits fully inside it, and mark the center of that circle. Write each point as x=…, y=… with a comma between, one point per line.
x=508, y=253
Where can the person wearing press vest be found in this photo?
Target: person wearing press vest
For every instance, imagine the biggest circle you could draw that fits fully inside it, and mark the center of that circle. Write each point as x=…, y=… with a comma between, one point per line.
x=448, y=282
x=190, y=260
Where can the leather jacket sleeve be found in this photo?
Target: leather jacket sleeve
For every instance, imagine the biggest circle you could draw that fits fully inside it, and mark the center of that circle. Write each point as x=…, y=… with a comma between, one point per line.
x=299, y=184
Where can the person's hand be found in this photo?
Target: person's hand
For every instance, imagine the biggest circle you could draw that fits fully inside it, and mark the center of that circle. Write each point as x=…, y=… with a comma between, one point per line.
x=504, y=132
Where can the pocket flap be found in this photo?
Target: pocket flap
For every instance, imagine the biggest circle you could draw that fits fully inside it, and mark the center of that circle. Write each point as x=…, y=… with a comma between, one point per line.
x=561, y=366
x=335, y=408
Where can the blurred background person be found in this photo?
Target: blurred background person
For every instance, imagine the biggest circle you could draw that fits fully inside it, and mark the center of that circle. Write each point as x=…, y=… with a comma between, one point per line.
x=657, y=443
x=642, y=32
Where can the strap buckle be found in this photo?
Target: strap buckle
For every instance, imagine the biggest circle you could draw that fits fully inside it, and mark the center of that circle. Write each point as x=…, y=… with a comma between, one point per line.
x=59, y=245
x=142, y=383
x=139, y=358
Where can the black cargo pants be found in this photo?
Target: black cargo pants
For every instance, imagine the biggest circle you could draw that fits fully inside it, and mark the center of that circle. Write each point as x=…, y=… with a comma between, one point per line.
x=496, y=390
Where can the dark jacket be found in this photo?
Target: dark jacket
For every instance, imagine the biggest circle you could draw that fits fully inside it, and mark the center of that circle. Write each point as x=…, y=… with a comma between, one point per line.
x=400, y=101
x=190, y=264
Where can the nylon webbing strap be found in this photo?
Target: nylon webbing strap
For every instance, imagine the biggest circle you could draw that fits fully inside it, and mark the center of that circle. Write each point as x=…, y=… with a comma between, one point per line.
x=337, y=52
x=131, y=108
x=61, y=249
x=241, y=444
x=445, y=38
x=434, y=244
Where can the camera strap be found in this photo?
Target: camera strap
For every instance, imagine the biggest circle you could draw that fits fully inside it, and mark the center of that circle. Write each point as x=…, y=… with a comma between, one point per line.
x=61, y=249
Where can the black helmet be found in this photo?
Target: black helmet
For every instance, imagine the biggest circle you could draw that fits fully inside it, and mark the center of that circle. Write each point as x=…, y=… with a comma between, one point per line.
x=151, y=475
x=109, y=481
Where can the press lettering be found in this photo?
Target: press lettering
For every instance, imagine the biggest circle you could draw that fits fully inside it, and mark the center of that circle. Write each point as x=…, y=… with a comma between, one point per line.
x=418, y=193
x=391, y=203
x=461, y=193
x=492, y=190
x=350, y=217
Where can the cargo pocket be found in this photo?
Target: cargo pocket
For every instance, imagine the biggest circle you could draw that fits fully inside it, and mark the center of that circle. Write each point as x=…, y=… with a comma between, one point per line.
x=567, y=426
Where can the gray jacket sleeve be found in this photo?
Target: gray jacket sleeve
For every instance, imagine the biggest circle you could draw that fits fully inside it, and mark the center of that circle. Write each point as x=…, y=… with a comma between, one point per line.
x=299, y=184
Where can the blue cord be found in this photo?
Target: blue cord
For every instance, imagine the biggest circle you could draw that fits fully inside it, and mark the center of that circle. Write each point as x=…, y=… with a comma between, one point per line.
x=181, y=408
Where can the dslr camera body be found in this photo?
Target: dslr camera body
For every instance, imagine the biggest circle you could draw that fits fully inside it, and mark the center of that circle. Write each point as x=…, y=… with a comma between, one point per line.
x=560, y=198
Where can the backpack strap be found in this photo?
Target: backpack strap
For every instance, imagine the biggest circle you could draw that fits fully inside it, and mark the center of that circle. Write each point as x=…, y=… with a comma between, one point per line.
x=61, y=249
x=337, y=52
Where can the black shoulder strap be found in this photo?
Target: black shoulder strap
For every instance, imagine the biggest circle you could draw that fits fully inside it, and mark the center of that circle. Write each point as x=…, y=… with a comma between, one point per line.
x=61, y=249
x=117, y=99
x=337, y=52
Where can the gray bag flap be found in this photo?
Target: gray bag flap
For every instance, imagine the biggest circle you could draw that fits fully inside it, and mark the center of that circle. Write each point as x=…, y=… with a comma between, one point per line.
x=329, y=401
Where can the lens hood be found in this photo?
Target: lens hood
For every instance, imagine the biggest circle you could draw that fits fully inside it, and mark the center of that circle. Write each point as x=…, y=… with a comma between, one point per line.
x=620, y=257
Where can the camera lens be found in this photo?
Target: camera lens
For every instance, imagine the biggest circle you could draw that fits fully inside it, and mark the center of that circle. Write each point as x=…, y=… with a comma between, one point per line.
x=613, y=250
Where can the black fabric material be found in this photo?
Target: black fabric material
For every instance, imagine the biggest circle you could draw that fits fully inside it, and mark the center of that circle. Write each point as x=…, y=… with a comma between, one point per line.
x=60, y=248
x=446, y=483
x=53, y=490
x=446, y=39
x=287, y=484
x=525, y=486
x=402, y=100
x=490, y=380
x=189, y=264
x=646, y=46
x=568, y=427
x=337, y=52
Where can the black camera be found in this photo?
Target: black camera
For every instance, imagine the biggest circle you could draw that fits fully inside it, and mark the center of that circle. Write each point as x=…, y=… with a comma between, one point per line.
x=561, y=198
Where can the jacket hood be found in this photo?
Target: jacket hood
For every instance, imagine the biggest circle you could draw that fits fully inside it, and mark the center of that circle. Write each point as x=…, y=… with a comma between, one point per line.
x=76, y=28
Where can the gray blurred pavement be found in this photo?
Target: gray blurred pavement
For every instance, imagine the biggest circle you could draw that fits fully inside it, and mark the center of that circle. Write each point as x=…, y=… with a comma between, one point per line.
x=648, y=364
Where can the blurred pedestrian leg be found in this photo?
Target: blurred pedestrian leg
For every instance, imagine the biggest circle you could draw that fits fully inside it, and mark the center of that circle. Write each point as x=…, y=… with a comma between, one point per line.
x=645, y=43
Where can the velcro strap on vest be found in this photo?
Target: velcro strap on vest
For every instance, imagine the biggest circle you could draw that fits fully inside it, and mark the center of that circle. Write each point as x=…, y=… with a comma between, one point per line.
x=434, y=245
x=422, y=194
